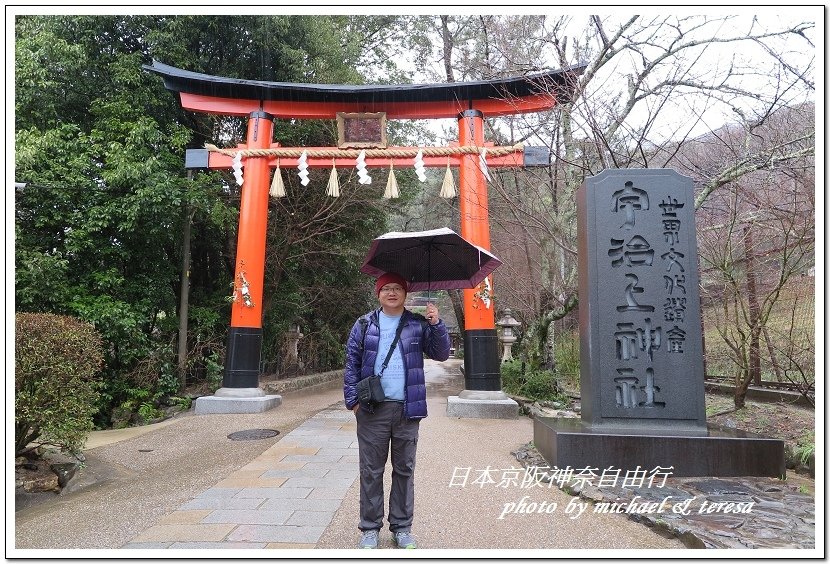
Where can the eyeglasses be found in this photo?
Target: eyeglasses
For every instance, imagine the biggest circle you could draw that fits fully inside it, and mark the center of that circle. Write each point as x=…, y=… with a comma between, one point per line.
x=391, y=290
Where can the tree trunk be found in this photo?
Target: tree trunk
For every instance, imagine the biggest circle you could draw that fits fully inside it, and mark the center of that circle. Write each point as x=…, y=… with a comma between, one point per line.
x=184, y=291
x=740, y=399
x=457, y=299
x=779, y=375
x=742, y=383
x=549, y=358
x=447, y=37
x=754, y=309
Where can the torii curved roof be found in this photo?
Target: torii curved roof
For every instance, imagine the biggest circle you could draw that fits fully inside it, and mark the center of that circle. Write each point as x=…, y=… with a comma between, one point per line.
x=233, y=96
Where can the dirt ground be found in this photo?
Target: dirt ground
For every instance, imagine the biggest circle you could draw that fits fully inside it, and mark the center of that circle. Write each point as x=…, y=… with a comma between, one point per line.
x=780, y=420
x=793, y=424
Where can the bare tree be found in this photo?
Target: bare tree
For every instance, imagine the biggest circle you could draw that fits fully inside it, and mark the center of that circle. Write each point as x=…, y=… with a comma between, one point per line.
x=757, y=245
x=654, y=92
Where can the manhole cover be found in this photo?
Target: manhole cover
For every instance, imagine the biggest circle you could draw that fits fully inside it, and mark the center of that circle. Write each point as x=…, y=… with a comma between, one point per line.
x=253, y=435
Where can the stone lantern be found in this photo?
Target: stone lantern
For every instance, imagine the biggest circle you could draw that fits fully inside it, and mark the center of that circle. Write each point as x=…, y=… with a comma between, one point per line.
x=292, y=363
x=507, y=323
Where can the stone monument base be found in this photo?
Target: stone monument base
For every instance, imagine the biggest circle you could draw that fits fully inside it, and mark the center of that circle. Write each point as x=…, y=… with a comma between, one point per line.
x=482, y=404
x=716, y=451
x=236, y=400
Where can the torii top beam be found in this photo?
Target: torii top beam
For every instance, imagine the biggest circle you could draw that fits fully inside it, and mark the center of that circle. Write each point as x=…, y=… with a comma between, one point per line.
x=231, y=96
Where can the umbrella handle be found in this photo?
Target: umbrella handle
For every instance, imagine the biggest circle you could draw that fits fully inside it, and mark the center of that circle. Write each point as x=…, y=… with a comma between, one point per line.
x=429, y=275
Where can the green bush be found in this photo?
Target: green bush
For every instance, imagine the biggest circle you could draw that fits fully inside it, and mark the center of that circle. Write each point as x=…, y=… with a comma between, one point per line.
x=805, y=448
x=511, y=376
x=566, y=353
x=540, y=385
x=215, y=371
x=57, y=360
x=533, y=384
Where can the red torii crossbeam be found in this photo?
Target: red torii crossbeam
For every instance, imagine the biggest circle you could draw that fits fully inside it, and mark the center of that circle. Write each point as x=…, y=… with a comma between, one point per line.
x=262, y=101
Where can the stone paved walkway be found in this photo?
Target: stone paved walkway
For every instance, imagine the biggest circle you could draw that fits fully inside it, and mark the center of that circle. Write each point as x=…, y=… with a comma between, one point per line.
x=735, y=513
x=716, y=513
x=285, y=498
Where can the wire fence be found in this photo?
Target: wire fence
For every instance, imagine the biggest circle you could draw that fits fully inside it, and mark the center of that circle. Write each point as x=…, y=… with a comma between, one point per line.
x=785, y=343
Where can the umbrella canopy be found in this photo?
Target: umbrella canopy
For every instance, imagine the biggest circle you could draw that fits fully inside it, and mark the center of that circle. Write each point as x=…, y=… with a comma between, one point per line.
x=438, y=259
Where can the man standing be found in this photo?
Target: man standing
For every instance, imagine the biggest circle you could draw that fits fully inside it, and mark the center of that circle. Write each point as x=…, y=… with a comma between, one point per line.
x=394, y=421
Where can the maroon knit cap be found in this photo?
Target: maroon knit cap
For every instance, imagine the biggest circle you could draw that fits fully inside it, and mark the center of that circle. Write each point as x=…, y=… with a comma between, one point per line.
x=390, y=278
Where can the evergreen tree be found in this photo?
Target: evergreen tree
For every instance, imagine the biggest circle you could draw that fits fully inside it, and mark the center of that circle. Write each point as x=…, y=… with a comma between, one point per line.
x=100, y=146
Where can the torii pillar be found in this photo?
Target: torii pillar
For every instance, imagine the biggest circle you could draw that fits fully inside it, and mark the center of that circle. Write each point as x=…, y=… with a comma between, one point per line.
x=482, y=396
x=261, y=101
x=240, y=391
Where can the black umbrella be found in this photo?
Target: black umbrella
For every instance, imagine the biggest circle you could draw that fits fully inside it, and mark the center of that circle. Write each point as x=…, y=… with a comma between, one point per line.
x=439, y=259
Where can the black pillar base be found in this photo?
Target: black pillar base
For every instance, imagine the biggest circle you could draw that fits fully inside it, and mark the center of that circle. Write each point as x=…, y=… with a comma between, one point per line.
x=242, y=358
x=482, y=369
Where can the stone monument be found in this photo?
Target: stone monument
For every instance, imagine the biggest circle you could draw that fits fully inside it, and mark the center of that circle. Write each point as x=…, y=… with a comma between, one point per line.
x=641, y=355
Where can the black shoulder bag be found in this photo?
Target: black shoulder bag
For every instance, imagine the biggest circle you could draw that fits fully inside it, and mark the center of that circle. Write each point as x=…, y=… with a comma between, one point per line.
x=370, y=390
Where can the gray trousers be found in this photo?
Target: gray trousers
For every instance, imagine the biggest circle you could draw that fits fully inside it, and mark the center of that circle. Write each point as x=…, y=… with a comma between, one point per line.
x=375, y=432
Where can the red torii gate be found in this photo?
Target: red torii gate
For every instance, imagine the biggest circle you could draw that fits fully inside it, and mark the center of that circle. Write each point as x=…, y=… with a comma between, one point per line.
x=262, y=101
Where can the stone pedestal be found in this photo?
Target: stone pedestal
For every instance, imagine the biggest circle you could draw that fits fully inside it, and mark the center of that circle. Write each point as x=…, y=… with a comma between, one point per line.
x=715, y=451
x=482, y=404
x=236, y=400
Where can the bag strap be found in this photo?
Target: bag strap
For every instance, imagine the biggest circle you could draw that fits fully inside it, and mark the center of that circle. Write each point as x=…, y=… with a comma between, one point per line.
x=364, y=324
x=392, y=347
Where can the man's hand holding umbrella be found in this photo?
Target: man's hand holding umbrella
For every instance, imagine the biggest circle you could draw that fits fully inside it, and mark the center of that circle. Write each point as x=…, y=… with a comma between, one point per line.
x=432, y=314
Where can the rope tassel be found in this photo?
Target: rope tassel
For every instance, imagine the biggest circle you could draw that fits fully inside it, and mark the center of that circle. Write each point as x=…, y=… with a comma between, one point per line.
x=277, y=186
x=391, y=185
x=334, y=184
x=448, y=186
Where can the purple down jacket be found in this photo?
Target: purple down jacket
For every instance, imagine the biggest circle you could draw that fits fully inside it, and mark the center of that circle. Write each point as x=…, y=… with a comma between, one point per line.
x=417, y=337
